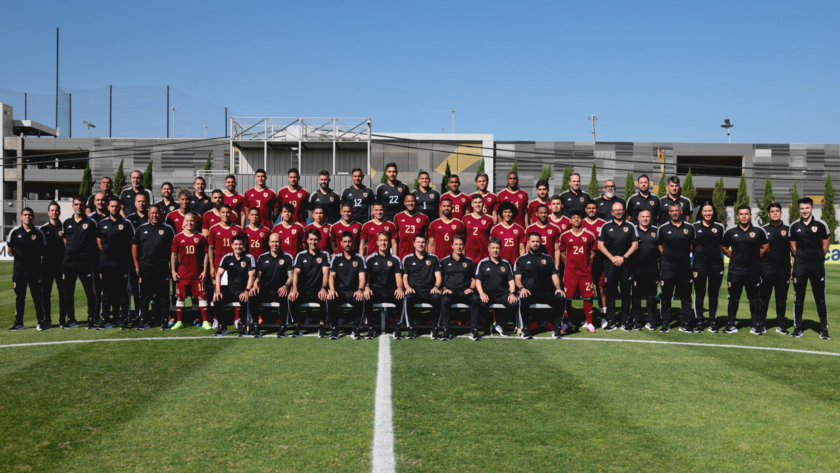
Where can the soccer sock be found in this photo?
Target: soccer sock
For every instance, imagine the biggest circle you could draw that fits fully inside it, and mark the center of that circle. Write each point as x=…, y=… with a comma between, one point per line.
x=235, y=314
x=587, y=309
x=179, y=309
x=202, y=308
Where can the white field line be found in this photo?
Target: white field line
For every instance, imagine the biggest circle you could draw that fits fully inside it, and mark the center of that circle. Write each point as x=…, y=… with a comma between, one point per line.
x=383, y=428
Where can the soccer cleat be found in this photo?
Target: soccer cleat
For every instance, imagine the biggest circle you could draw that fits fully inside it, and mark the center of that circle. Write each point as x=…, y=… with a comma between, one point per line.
x=590, y=328
x=142, y=326
x=411, y=334
x=648, y=326
x=446, y=336
x=398, y=335
x=171, y=323
x=334, y=335
x=665, y=329
x=556, y=335
x=322, y=331
x=610, y=327
x=16, y=327
x=371, y=334
x=501, y=331
x=526, y=334
x=296, y=333
x=686, y=330
x=221, y=331
x=355, y=335
x=178, y=325
x=713, y=329
x=824, y=335
x=730, y=329
x=206, y=325
x=797, y=332
x=196, y=323
x=782, y=330
x=474, y=335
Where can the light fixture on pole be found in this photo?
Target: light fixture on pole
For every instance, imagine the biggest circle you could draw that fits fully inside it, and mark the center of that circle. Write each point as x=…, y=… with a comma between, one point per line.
x=173, y=121
x=592, y=118
x=727, y=125
x=89, y=125
x=453, y=112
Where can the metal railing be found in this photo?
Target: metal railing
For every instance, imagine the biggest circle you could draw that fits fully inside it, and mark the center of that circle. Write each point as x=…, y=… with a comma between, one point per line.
x=300, y=129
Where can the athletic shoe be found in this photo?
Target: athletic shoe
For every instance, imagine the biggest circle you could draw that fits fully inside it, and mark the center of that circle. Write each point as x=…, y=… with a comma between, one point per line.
x=501, y=331
x=488, y=331
x=446, y=336
x=686, y=330
x=556, y=335
x=590, y=328
x=571, y=325
x=281, y=332
x=648, y=326
x=699, y=328
x=322, y=331
x=16, y=327
x=762, y=329
x=824, y=335
x=178, y=325
x=474, y=335
x=604, y=322
x=627, y=328
x=371, y=334
x=610, y=327
x=73, y=324
x=171, y=323
x=355, y=335
x=638, y=327
x=206, y=325
x=334, y=335
x=41, y=327
x=142, y=326
x=124, y=327
x=526, y=334
x=730, y=329
x=411, y=334
x=164, y=327
x=434, y=333
x=221, y=331
x=196, y=323
x=215, y=324
x=665, y=329
x=755, y=331
x=90, y=327
x=237, y=324
x=243, y=331
x=257, y=332
x=398, y=335
x=797, y=332
x=549, y=327
x=782, y=330
x=106, y=326
x=296, y=333
x=713, y=329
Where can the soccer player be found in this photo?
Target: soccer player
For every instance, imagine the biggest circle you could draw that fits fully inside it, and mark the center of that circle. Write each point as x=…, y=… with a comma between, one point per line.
x=775, y=267
x=190, y=263
x=80, y=255
x=51, y=265
x=809, y=242
x=577, y=247
x=200, y=202
x=707, y=267
x=294, y=195
x=214, y=215
x=643, y=200
x=674, y=198
x=114, y=238
x=141, y=210
x=327, y=199
x=495, y=285
x=538, y=283
x=359, y=196
x=128, y=196
x=233, y=198
x=291, y=233
x=261, y=198
x=275, y=272
x=606, y=200
x=428, y=199
x=575, y=198
x=371, y=230
x=175, y=219
x=548, y=232
x=457, y=274
x=220, y=239
x=516, y=197
x=541, y=199
x=646, y=271
x=167, y=204
x=592, y=223
x=478, y=225
x=384, y=278
x=257, y=234
x=322, y=227
x=556, y=216
x=409, y=223
x=28, y=245
x=347, y=225
x=347, y=285
x=460, y=201
x=422, y=281
x=618, y=241
x=392, y=193
x=152, y=249
x=106, y=187
x=490, y=199
x=745, y=245
x=676, y=241
x=241, y=270
x=511, y=234
x=442, y=230
x=311, y=281
x=100, y=208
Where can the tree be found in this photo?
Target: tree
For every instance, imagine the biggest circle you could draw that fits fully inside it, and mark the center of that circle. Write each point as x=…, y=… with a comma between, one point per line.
x=480, y=167
x=593, y=182
x=147, y=176
x=743, y=196
x=663, y=186
x=546, y=173
x=383, y=179
x=567, y=174
x=689, y=191
x=629, y=186
x=119, y=179
x=766, y=199
x=208, y=165
x=417, y=180
x=719, y=202
x=86, y=187
x=793, y=209
x=444, y=186
x=515, y=168
x=829, y=215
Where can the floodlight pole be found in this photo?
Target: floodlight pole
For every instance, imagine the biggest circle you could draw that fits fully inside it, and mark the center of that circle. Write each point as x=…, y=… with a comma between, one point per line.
x=173, y=121
x=592, y=118
x=453, y=112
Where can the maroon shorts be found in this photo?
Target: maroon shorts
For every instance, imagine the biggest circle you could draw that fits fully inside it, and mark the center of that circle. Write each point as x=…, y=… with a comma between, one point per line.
x=192, y=287
x=583, y=288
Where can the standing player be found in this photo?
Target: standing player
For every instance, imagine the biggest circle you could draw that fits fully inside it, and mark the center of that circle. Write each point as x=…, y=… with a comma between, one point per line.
x=674, y=199
x=167, y=204
x=80, y=254
x=392, y=193
x=676, y=241
x=28, y=245
x=618, y=241
x=359, y=196
x=541, y=199
x=152, y=250
x=233, y=198
x=490, y=199
x=460, y=201
x=575, y=198
x=291, y=233
x=510, y=233
x=374, y=227
x=200, y=202
x=384, y=278
x=346, y=225
x=442, y=230
x=322, y=227
x=214, y=215
x=548, y=232
x=478, y=225
x=241, y=271
x=643, y=200
x=294, y=195
x=51, y=265
x=556, y=216
x=538, y=283
x=326, y=198
x=409, y=223
x=311, y=281
x=260, y=197
x=516, y=197
x=809, y=242
x=577, y=247
x=275, y=271
x=495, y=285
x=347, y=285
x=175, y=219
x=594, y=224
x=457, y=273
x=707, y=267
x=745, y=245
x=775, y=267
x=190, y=263
x=428, y=199
x=257, y=234
x=422, y=281
x=114, y=237
x=606, y=200
x=646, y=271
x=128, y=196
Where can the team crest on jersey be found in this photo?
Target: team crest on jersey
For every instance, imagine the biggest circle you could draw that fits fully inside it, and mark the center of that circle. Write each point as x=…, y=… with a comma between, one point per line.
x=714, y=230
x=84, y=226
x=418, y=219
x=243, y=264
x=813, y=229
x=332, y=199
x=294, y=230
x=515, y=231
x=399, y=189
x=453, y=226
x=502, y=269
x=428, y=263
x=120, y=226
x=626, y=229
x=364, y=194
x=653, y=234
x=355, y=264
x=195, y=239
x=390, y=263
x=464, y=264
x=542, y=261
x=265, y=194
x=234, y=232
x=235, y=200
x=300, y=194
x=549, y=231
x=582, y=199
x=584, y=239
x=784, y=233
x=262, y=235
x=752, y=234
x=281, y=262
x=34, y=237
x=355, y=230
x=650, y=202
x=317, y=260
x=685, y=231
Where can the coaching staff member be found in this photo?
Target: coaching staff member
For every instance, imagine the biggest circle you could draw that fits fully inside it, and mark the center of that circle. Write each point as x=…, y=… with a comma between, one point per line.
x=458, y=274
x=28, y=245
x=80, y=254
x=52, y=261
x=347, y=284
x=775, y=267
x=114, y=236
x=646, y=271
x=495, y=285
x=674, y=199
x=809, y=242
x=241, y=270
x=538, y=283
x=422, y=283
x=643, y=200
x=275, y=271
x=745, y=245
x=676, y=240
x=618, y=241
x=310, y=283
x=384, y=278
x=152, y=249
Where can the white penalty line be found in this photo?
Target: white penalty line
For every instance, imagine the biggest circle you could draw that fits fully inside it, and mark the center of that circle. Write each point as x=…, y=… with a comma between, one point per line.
x=383, y=460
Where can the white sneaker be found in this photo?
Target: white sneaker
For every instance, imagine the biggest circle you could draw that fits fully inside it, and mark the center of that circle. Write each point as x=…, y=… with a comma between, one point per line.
x=215, y=324
x=590, y=328
x=604, y=322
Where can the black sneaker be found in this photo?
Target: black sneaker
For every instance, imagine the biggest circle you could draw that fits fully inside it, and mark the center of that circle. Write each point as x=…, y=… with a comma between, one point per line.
x=488, y=331
x=526, y=334
x=142, y=326
x=16, y=327
x=557, y=335
x=610, y=327
x=824, y=335
x=355, y=335
x=397, y=334
x=730, y=329
x=281, y=333
x=221, y=332
x=104, y=326
x=782, y=330
x=257, y=332
x=665, y=329
x=713, y=329
x=699, y=328
x=649, y=326
x=322, y=331
x=434, y=334
x=90, y=327
x=124, y=327
x=72, y=324
x=638, y=327
x=446, y=336
x=297, y=332
x=164, y=327
x=41, y=327
x=627, y=328
x=797, y=332
x=334, y=335
x=411, y=334
x=371, y=334
x=686, y=330
x=755, y=330
x=474, y=335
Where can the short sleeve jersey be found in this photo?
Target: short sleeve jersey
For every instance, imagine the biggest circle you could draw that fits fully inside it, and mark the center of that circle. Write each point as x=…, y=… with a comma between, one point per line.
x=200, y=205
x=778, y=258
x=511, y=238
x=428, y=203
x=382, y=271
x=238, y=270
x=594, y=227
x=706, y=250
x=211, y=218
x=637, y=202
x=235, y=201
x=457, y=273
x=563, y=223
x=311, y=270
x=443, y=233
x=340, y=228
x=176, y=220
x=29, y=248
x=154, y=244
x=136, y=219
x=265, y=200
x=274, y=271
x=408, y=226
x=809, y=241
x=292, y=237
x=257, y=240
x=665, y=203
x=330, y=202
x=494, y=277
x=347, y=271
x=420, y=272
x=536, y=272
x=325, y=243
x=392, y=198
x=127, y=197
x=577, y=249
x=460, y=204
x=746, y=249
x=532, y=208
x=81, y=246
x=116, y=237
x=166, y=209
x=361, y=200
x=478, y=235
x=370, y=232
x=676, y=249
x=618, y=238
x=190, y=250
x=574, y=201
x=298, y=198
x=519, y=198
x=490, y=202
x=220, y=238
x=605, y=207
x=647, y=259
x=549, y=236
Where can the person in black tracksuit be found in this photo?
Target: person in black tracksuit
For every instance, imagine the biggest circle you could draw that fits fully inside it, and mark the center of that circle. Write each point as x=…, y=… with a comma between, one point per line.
x=538, y=281
x=115, y=235
x=52, y=263
x=643, y=200
x=241, y=270
x=617, y=241
x=676, y=241
x=809, y=242
x=422, y=281
x=458, y=287
x=574, y=198
x=151, y=249
x=139, y=217
x=384, y=279
x=275, y=273
x=707, y=267
x=494, y=281
x=745, y=245
x=311, y=281
x=28, y=245
x=347, y=286
x=674, y=198
x=80, y=255
x=775, y=267
x=646, y=272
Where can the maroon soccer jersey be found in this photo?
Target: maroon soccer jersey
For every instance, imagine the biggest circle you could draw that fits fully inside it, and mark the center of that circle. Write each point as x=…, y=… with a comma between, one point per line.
x=519, y=199
x=577, y=249
x=563, y=224
x=511, y=238
x=339, y=228
x=325, y=243
x=220, y=239
x=478, y=234
x=443, y=232
x=235, y=201
x=371, y=229
x=532, y=207
x=549, y=234
x=211, y=218
x=257, y=240
x=593, y=227
x=291, y=238
x=298, y=198
x=264, y=200
x=407, y=227
x=491, y=202
x=191, y=250
x=460, y=204
x=176, y=220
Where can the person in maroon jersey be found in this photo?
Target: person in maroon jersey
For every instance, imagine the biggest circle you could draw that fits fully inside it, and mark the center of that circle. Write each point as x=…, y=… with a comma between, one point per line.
x=490, y=199
x=592, y=223
x=509, y=232
x=260, y=197
x=291, y=233
x=442, y=230
x=325, y=229
x=409, y=223
x=176, y=219
x=549, y=234
x=541, y=199
x=516, y=196
x=460, y=201
x=190, y=262
x=347, y=225
x=257, y=234
x=214, y=215
x=296, y=196
x=233, y=198
x=556, y=216
x=478, y=225
x=374, y=227
x=577, y=247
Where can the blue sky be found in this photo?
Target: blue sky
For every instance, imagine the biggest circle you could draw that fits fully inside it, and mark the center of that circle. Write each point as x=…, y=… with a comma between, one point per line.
x=651, y=71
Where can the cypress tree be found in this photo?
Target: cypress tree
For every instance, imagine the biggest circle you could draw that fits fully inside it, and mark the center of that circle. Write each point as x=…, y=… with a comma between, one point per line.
x=480, y=166
x=86, y=187
x=593, y=182
x=688, y=190
x=417, y=180
x=719, y=202
x=766, y=199
x=147, y=176
x=208, y=165
x=567, y=174
x=444, y=186
x=629, y=186
x=829, y=215
x=743, y=196
x=793, y=208
x=515, y=168
x=663, y=186
x=546, y=173
x=119, y=179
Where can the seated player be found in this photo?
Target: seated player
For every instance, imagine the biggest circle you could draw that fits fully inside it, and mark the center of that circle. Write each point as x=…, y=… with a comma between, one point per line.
x=241, y=270
x=422, y=281
x=495, y=285
x=347, y=285
x=274, y=279
x=190, y=264
x=458, y=271
x=384, y=277
x=538, y=283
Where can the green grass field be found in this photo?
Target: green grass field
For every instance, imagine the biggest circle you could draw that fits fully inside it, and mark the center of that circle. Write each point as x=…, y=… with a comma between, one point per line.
x=587, y=403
